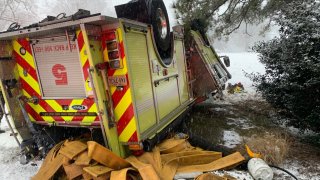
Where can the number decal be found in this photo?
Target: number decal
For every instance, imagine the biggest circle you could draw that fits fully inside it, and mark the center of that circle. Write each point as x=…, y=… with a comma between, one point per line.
x=59, y=71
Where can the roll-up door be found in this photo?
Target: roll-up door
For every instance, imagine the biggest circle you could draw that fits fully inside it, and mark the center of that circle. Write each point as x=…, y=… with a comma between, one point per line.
x=59, y=69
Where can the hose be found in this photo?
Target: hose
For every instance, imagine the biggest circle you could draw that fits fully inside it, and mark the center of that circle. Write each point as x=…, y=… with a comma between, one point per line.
x=61, y=16
x=279, y=168
x=14, y=26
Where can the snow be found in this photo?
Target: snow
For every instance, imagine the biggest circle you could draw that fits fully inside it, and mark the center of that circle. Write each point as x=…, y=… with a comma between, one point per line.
x=242, y=63
x=231, y=139
x=240, y=175
x=240, y=122
x=10, y=167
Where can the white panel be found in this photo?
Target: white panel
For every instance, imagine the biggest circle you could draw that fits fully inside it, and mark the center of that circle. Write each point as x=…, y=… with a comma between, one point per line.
x=59, y=70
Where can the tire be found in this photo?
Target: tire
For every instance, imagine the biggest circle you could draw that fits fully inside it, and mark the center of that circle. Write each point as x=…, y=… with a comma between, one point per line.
x=161, y=29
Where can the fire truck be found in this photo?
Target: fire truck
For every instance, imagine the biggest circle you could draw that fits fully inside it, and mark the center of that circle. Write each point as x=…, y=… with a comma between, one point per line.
x=125, y=81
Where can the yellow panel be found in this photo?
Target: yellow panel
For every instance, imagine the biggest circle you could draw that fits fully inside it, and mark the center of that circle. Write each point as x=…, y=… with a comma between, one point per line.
x=167, y=96
x=140, y=76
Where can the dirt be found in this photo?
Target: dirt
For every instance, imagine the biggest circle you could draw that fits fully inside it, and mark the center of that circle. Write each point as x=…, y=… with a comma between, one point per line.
x=229, y=123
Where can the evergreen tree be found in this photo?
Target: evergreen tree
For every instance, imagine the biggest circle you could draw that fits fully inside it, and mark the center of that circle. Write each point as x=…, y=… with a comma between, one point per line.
x=292, y=61
x=226, y=16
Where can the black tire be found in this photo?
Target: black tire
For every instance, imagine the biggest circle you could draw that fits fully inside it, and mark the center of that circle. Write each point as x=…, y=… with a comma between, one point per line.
x=161, y=29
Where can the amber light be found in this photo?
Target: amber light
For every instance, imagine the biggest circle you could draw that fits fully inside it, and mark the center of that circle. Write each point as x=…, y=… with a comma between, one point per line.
x=135, y=147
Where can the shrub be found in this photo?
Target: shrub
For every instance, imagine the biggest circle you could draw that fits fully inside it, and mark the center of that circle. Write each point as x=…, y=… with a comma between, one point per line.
x=292, y=61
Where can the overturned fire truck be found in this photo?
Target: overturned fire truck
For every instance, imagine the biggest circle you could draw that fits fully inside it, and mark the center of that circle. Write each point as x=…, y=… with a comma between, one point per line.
x=125, y=81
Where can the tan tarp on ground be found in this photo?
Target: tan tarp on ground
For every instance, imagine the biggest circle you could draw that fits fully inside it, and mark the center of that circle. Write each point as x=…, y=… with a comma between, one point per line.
x=90, y=160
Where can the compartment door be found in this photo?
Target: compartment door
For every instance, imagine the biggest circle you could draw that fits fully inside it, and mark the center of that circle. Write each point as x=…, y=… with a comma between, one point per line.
x=59, y=69
x=141, y=80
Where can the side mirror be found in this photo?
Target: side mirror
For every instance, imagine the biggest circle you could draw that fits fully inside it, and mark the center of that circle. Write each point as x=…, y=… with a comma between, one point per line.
x=226, y=61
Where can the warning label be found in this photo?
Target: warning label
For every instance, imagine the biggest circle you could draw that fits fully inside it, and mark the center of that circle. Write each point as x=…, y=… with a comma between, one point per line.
x=54, y=48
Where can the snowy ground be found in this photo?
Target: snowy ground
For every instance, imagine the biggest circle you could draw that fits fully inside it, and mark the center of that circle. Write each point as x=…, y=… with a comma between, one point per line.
x=10, y=167
x=229, y=125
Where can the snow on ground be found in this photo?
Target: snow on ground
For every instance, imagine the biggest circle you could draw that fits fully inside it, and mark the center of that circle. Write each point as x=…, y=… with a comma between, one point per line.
x=240, y=122
x=10, y=167
x=231, y=139
x=241, y=63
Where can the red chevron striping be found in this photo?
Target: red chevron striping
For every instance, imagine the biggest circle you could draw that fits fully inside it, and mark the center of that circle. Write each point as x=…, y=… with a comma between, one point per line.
x=134, y=137
x=118, y=95
x=86, y=102
x=33, y=113
x=125, y=119
x=66, y=102
x=111, y=71
x=42, y=103
x=25, y=44
x=28, y=88
x=57, y=118
x=85, y=70
x=23, y=63
x=80, y=41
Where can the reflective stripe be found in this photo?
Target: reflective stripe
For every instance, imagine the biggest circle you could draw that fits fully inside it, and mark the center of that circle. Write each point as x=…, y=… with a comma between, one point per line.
x=128, y=131
x=32, y=82
x=122, y=99
x=84, y=61
x=30, y=87
x=27, y=57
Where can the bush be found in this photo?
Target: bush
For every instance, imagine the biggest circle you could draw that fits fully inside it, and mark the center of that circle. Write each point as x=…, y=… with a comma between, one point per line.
x=292, y=60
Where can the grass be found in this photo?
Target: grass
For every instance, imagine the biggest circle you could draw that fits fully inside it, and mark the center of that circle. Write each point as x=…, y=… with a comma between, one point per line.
x=273, y=146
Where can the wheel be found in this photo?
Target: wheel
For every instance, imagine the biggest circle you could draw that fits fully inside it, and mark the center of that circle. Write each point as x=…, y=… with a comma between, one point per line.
x=161, y=29
x=151, y=12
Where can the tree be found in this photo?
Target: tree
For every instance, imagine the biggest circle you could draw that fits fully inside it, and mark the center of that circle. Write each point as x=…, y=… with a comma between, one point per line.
x=292, y=61
x=19, y=11
x=226, y=16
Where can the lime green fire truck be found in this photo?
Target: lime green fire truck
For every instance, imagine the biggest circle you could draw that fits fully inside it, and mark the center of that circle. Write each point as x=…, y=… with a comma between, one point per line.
x=126, y=81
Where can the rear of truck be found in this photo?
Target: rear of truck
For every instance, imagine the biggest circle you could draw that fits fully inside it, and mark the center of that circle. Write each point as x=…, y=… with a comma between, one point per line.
x=102, y=74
